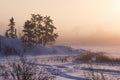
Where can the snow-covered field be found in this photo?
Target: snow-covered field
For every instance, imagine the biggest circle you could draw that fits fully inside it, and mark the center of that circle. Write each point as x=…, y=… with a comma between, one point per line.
x=70, y=70
x=65, y=68
x=60, y=61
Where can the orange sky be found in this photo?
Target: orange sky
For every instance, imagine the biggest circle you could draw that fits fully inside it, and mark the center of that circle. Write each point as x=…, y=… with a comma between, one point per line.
x=77, y=21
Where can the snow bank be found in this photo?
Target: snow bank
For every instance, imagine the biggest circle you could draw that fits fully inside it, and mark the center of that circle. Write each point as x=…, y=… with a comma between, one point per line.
x=16, y=44
x=56, y=50
x=8, y=45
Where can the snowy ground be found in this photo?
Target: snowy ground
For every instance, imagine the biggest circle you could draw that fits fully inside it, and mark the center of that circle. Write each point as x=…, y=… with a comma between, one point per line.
x=70, y=70
x=64, y=67
x=59, y=60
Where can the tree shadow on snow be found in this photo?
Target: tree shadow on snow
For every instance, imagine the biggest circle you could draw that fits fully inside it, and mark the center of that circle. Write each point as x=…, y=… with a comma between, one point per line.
x=109, y=71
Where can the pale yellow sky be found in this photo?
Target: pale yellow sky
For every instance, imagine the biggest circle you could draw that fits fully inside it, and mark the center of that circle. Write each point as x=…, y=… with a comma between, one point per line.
x=77, y=21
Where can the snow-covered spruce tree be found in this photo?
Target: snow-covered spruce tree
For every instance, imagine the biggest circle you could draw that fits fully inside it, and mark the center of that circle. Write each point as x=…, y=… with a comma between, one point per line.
x=11, y=32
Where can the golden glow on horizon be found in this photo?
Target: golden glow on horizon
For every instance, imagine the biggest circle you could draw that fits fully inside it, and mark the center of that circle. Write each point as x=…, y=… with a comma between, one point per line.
x=76, y=20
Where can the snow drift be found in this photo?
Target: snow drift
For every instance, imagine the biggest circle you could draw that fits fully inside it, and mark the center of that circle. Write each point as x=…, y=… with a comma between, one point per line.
x=10, y=46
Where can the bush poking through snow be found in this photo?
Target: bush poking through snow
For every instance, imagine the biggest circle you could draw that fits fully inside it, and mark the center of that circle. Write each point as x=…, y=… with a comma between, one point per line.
x=22, y=70
x=96, y=57
x=91, y=74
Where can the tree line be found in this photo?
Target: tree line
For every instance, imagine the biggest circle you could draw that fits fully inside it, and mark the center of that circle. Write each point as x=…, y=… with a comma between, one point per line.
x=37, y=30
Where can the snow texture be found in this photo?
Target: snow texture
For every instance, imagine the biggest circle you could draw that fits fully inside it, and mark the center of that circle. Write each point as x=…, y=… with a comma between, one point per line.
x=38, y=49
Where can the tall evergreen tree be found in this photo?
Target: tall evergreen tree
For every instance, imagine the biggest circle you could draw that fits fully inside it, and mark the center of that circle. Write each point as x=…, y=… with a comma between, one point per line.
x=49, y=35
x=37, y=20
x=28, y=33
x=11, y=32
x=39, y=30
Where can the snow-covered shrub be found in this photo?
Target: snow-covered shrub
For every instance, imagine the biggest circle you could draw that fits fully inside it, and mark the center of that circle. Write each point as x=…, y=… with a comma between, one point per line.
x=9, y=46
x=93, y=74
x=7, y=50
x=23, y=70
x=96, y=57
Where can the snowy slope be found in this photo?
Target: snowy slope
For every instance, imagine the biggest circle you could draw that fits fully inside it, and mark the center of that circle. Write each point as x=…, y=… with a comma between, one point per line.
x=16, y=44
x=63, y=67
x=7, y=44
x=39, y=49
x=70, y=70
